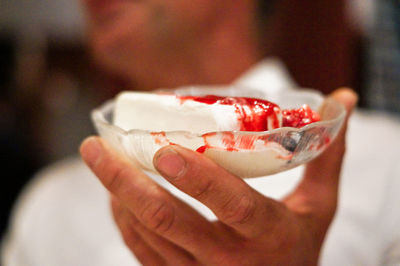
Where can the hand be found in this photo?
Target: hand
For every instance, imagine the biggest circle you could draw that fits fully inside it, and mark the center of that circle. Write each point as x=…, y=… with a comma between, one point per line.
x=251, y=229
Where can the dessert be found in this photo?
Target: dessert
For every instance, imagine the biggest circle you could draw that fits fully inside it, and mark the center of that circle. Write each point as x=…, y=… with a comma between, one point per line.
x=248, y=137
x=215, y=119
x=204, y=114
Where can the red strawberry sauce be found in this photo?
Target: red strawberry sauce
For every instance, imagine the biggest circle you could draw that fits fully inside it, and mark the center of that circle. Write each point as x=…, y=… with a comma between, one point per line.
x=253, y=115
x=299, y=117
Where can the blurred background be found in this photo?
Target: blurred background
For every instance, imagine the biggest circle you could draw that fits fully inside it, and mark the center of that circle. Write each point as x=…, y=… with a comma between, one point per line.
x=48, y=84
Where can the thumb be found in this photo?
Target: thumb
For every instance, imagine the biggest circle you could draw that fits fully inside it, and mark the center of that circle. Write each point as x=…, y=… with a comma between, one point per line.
x=319, y=186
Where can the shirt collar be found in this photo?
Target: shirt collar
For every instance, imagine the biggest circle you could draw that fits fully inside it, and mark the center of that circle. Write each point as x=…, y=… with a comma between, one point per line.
x=268, y=75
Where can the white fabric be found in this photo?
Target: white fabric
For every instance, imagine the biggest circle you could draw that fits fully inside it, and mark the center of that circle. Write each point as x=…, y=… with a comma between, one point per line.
x=268, y=74
x=63, y=218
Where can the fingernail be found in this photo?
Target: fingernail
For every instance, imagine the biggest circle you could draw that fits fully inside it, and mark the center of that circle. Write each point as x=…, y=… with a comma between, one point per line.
x=347, y=97
x=170, y=163
x=91, y=150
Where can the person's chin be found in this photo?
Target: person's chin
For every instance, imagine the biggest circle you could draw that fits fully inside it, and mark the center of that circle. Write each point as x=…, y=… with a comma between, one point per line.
x=111, y=60
x=102, y=9
x=109, y=36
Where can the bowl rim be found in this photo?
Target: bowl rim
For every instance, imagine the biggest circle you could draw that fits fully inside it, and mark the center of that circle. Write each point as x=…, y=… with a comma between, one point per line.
x=98, y=116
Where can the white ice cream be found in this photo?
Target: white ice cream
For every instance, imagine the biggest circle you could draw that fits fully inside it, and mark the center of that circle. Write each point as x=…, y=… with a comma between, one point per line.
x=157, y=112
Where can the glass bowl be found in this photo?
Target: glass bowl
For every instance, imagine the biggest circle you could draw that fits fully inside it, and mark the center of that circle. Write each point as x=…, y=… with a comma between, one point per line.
x=244, y=154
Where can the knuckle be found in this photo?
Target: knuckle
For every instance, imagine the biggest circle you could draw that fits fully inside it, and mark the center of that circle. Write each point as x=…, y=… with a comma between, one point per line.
x=238, y=210
x=112, y=173
x=116, y=179
x=202, y=189
x=131, y=220
x=124, y=217
x=199, y=189
x=158, y=216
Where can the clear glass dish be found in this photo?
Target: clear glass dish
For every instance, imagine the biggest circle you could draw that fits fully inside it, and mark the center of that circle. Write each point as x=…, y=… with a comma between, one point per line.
x=245, y=154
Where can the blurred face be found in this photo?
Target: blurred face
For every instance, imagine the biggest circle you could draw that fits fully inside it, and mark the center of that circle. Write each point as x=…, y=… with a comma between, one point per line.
x=136, y=37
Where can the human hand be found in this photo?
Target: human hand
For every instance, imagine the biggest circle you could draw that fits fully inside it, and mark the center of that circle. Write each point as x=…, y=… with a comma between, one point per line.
x=251, y=229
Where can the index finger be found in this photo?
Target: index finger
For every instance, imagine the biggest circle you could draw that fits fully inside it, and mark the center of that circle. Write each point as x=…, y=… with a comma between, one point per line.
x=153, y=206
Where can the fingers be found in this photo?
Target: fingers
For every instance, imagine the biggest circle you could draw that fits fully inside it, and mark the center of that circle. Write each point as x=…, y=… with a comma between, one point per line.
x=332, y=157
x=230, y=198
x=319, y=186
x=150, y=248
x=153, y=206
x=143, y=252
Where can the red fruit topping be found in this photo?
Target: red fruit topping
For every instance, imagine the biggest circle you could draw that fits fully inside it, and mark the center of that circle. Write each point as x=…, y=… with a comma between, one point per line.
x=299, y=117
x=252, y=113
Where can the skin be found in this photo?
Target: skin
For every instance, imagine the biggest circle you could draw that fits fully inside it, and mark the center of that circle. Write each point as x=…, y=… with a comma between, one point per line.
x=170, y=43
x=252, y=229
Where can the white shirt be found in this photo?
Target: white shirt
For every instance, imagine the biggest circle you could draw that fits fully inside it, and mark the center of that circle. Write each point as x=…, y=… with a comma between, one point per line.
x=63, y=217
